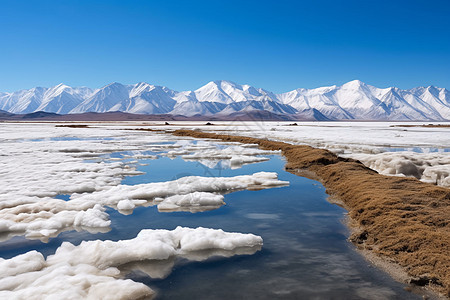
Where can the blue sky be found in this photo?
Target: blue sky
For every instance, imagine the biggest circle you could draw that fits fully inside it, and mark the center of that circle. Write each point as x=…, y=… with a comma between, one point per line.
x=278, y=45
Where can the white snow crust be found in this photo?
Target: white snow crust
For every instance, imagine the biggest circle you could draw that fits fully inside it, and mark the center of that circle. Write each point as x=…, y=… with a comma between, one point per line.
x=428, y=167
x=91, y=270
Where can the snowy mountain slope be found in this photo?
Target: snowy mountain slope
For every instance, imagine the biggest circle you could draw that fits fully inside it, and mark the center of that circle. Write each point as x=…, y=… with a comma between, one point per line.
x=193, y=107
x=102, y=100
x=267, y=105
x=59, y=99
x=397, y=108
x=354, y=100
x=318, y=99
x=360, y=101
x=436, y=99
x=24, y=101
x=311, y=114
x=141, y=98
x=228, y=92
x=147, y=99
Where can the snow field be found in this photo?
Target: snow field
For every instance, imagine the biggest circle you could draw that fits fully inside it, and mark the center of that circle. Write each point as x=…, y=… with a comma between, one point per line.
x=379, y=145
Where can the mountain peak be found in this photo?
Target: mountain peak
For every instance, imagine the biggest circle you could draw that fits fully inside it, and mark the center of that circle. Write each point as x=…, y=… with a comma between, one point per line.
x=432, y=88
x=142, y=83
x=61, y=86
x=225, y=84
x=354, y=84
x=56, y=90
x=228, y=82
x=113, y=85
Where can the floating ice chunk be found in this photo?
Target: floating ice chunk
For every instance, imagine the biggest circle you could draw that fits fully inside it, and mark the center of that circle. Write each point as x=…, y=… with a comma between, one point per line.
x=204, y=239
x=90, y=270
x=125, y=205
x=238, y=161
x=197, y=201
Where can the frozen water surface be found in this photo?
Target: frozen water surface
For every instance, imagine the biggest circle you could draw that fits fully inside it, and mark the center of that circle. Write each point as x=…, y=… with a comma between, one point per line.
x=305, y=254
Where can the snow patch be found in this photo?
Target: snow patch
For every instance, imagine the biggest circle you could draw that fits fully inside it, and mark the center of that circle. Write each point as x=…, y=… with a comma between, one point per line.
x=428, y=167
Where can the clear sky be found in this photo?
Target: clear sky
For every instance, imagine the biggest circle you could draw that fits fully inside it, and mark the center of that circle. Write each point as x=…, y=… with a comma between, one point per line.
x=278, y=45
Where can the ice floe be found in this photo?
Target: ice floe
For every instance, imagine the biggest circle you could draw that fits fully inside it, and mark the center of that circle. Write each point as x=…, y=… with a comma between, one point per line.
x=190, y=193
x=44, y=217
x=196, y=201
x=92, y=270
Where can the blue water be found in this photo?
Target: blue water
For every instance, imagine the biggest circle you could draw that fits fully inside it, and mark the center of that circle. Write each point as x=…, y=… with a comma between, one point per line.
x=305, y=254
x=416, y=149
x=69, y=138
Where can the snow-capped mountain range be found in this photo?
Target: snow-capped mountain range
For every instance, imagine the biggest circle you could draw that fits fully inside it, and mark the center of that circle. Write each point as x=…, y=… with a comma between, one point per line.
x=354, y=100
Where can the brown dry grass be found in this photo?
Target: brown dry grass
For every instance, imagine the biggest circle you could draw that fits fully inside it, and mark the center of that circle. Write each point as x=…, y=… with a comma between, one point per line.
x=401, y=219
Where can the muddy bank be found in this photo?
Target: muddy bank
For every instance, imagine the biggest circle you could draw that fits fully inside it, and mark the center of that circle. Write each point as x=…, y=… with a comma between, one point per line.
x=401, y=219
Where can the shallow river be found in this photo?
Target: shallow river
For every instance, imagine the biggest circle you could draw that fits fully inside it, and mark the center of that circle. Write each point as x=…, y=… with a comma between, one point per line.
x=305, y=254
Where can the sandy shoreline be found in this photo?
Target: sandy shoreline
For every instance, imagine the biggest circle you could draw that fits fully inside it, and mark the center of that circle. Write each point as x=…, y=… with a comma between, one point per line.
x=400, y=220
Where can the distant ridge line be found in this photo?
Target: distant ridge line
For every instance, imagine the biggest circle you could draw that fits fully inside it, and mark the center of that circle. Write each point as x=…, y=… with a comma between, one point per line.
x=222, y=99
